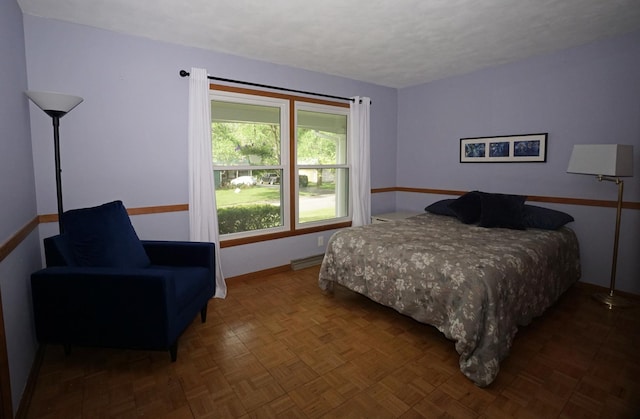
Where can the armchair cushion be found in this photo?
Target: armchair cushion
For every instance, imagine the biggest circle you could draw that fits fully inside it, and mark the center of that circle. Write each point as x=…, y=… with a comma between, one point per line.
x=103, y=236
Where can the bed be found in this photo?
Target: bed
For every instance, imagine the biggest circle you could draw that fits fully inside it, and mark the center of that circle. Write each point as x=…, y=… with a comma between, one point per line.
x=474, y=284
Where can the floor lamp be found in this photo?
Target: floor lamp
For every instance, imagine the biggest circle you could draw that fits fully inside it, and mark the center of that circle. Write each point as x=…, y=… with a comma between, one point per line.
x=56, y=105
x=607, y=162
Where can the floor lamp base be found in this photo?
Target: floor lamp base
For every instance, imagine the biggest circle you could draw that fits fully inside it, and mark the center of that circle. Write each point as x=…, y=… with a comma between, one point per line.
x=612, y=300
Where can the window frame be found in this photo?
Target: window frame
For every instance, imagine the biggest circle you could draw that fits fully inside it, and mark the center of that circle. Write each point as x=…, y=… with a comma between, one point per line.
x=291, y=227
x=283, y=105
x=321, y=108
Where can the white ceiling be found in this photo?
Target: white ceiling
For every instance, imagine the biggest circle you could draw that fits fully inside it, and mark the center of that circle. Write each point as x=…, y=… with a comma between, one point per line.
x=395, y=43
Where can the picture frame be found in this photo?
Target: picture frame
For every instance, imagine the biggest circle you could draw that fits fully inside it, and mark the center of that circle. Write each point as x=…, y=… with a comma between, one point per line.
x=524, y=148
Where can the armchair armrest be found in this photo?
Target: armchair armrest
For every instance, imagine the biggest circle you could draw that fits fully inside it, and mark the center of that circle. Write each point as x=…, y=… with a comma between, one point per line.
x=105, y=306
x=180, y=253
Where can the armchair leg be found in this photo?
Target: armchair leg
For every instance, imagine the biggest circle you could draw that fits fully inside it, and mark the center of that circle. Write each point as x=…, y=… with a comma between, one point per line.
x=173, y=351
x=203, y=313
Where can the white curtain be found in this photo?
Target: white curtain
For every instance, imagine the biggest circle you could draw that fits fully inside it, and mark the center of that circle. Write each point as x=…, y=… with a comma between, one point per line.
x=359, y=161
x=203, y=219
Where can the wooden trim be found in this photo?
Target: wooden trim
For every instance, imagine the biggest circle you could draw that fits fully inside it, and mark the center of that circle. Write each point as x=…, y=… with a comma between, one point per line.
x=50, y=218
x=30, y=388
x=6, y=248
x=550, y=199
x=585, y=202
x=383, y=190
x=430, y=191
x=293, y=174
x=158, y=209
x=258, y=274
x=281, y=235
x=47, y=218
x=14, y=241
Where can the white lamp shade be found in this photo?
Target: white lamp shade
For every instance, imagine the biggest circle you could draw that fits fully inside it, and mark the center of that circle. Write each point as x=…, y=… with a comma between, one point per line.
x=602, y=159
x=54, y=102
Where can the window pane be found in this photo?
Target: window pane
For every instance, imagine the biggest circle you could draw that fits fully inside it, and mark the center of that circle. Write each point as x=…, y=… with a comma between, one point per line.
x=323, y=194
x=248, y=200
x=321, y=138
x=245, y=135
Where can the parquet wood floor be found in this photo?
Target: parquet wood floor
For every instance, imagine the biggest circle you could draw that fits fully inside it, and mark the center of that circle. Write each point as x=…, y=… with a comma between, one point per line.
x=279, y=348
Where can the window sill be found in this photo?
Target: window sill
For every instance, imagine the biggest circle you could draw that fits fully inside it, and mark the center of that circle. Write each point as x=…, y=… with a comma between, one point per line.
x=274, y=236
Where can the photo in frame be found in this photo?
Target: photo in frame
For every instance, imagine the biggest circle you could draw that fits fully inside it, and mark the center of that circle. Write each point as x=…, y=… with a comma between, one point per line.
x=505, y=148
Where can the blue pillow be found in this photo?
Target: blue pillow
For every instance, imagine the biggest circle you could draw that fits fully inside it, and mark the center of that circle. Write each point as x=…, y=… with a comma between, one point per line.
x=545, y=218
x=467, y=207
x=502, y=211
x=103, y=236
x=441, y=208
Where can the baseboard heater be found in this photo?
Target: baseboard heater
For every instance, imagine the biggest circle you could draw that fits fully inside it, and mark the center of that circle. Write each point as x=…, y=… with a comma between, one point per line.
x=306, y=262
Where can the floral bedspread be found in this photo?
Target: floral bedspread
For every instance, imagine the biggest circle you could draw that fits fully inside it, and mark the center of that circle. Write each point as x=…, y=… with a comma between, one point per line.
x=476, y=285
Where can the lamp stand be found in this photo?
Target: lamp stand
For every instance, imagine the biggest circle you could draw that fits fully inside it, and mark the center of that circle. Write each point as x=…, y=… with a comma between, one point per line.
x=55, y=116
x=610, y=298
x=56, y=146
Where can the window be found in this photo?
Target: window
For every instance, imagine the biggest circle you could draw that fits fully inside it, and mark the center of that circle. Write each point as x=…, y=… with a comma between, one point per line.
x=280, y=163
x=321, y=164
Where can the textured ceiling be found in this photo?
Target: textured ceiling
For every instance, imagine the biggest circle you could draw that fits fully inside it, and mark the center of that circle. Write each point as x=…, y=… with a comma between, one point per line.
x=395, y=43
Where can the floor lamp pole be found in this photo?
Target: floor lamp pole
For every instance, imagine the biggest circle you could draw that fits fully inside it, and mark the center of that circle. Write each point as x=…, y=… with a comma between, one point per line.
x=610, y=299
x=56, y=145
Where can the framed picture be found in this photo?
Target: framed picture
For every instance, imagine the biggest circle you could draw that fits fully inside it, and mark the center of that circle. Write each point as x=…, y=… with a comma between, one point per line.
x=506, y=148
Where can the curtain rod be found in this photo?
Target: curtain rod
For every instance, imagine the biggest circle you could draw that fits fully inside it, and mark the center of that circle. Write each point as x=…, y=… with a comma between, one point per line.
x=184, y=73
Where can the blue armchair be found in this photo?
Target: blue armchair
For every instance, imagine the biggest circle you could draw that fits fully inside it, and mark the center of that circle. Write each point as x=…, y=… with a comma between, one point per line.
x=104, y=287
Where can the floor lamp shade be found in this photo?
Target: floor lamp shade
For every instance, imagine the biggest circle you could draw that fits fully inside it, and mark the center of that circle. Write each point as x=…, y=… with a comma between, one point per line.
x=602, y=159
x=56, y=105
x=52, y=102
x=609, y=162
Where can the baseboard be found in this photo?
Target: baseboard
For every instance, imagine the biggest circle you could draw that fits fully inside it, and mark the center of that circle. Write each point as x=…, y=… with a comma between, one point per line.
x=259, y=274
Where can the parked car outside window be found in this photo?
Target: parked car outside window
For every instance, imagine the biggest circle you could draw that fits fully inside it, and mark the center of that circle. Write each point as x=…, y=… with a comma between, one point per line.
x=270, y=178
x=243, y=180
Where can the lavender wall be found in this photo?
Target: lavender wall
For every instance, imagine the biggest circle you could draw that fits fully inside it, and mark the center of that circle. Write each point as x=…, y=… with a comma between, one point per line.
x=18, y=201
x=589, y=94
x=127, y=140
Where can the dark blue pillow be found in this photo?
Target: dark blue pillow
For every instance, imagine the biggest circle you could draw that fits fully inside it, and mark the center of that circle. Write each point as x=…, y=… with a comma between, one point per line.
x=103, y=236
x=441, y=208
x=545, y=218
x=467, y=207
x=502, y=210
